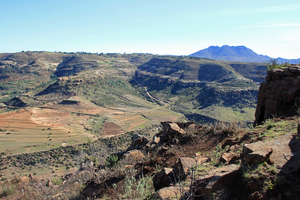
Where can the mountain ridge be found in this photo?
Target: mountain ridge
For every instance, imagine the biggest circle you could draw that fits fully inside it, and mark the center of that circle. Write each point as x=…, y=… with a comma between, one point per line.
x=237, y=53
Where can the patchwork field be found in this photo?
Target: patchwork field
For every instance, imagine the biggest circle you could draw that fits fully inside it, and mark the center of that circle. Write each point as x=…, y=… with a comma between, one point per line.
x=37, y=129
x=53, y=125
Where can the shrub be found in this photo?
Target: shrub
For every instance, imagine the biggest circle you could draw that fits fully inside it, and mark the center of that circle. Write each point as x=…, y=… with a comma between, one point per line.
x=111, y=161
x=7, y=190
x=137, y=188
x=57, y=181
x=273, y=64
x=270, y=123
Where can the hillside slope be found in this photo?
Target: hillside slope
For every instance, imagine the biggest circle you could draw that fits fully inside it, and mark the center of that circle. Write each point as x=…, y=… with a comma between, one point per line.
x=87, y=95
x=202, y=89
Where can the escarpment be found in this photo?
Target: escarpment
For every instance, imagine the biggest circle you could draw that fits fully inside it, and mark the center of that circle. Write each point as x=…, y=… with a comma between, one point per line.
x=279, y=94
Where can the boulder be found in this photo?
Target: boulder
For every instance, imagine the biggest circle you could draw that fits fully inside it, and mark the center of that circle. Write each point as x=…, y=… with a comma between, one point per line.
x=229, y=157
x=170, y=131
x=133, y=156
x=163, y=178
x=182, y=167
x=285, y=152
x=256, y=152
x=25, y=180
x=129, y=167
x=147, y=169
x=172, y=192
x=199, y=159
x=49, y=183
x=138, y=142
x=215, y=180
x=156, y=140
x=258, y=156
x=277, y=95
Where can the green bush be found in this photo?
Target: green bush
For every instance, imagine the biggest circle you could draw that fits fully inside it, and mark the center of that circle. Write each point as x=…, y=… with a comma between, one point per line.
x=57, y=181
x=270, y=123
x=137, y=188
x=273, y=64
x=111, y=161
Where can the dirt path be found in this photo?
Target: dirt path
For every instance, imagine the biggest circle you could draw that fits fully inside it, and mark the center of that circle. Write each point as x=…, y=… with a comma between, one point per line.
x=153, y=98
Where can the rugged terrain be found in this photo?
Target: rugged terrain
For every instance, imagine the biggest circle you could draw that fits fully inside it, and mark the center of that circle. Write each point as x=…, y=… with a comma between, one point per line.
x=54, y=100
x=182, y=161
x=83, y=95
x=154, y=161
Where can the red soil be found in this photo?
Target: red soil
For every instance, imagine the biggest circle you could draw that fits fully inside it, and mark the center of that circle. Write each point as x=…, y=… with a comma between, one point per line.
x=110, y=128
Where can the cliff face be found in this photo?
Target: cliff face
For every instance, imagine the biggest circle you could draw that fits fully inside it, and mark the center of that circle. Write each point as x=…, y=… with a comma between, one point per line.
x=279, y=95
x=73, y=65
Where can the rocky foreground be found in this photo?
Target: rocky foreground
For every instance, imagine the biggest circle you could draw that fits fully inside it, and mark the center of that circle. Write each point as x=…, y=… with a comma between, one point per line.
x=183, y=161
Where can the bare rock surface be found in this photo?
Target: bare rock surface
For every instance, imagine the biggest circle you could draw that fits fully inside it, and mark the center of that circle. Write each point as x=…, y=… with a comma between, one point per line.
x=133, y=156
x=216, y=180
x=279, y=94
x=138, y=142
x=285, y=152
x=229, y=157
x=162, y=178
x=182, y=167
x=172, y=192
x=25, y=180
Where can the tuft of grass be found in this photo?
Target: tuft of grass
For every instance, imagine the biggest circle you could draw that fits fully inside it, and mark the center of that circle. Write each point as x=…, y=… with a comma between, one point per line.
x=6, y=190
x=57, y=181
x=270, y=123
x=137, y=188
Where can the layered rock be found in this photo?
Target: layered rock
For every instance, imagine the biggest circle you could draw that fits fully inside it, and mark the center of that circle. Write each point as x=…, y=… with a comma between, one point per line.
x=279, y=94
x=283, y=151
x=215, y=180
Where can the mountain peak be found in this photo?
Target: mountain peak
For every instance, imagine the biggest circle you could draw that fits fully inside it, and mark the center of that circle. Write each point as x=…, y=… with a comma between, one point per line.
x=237, y=53
x=231, y=53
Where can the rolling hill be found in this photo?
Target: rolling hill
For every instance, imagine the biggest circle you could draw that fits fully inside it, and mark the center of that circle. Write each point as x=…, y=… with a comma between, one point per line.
x=82, y=95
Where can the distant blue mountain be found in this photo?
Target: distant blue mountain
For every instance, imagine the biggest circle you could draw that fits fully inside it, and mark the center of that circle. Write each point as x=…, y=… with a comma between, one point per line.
x=237, y=53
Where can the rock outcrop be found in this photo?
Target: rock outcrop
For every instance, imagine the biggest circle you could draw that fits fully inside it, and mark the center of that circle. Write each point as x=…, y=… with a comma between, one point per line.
x=215, y=180
x=138, y=142
x=279, y=95
x=171, y=132
x=133, y=156
x=163, y=178
x=283, y=151
x=173, y=192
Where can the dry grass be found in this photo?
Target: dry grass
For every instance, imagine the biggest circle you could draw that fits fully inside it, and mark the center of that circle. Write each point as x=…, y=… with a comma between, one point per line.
x=219, y=127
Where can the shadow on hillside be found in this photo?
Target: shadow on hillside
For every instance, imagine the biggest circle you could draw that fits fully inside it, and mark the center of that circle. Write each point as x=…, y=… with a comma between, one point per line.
x=293, y=163
x=200, y=119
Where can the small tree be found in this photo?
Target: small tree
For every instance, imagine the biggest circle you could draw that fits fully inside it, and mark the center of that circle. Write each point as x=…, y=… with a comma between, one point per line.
x=274, y=64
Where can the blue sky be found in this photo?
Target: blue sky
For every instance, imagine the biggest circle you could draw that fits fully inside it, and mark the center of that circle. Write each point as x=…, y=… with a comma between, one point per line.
x=178, y=27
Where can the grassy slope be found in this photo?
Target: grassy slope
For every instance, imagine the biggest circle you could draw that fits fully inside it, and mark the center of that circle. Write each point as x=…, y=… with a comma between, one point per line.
x=212, y=99
x=105, y=90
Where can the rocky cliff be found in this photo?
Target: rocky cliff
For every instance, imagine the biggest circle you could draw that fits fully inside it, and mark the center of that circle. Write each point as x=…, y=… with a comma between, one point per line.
x=279, y=94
